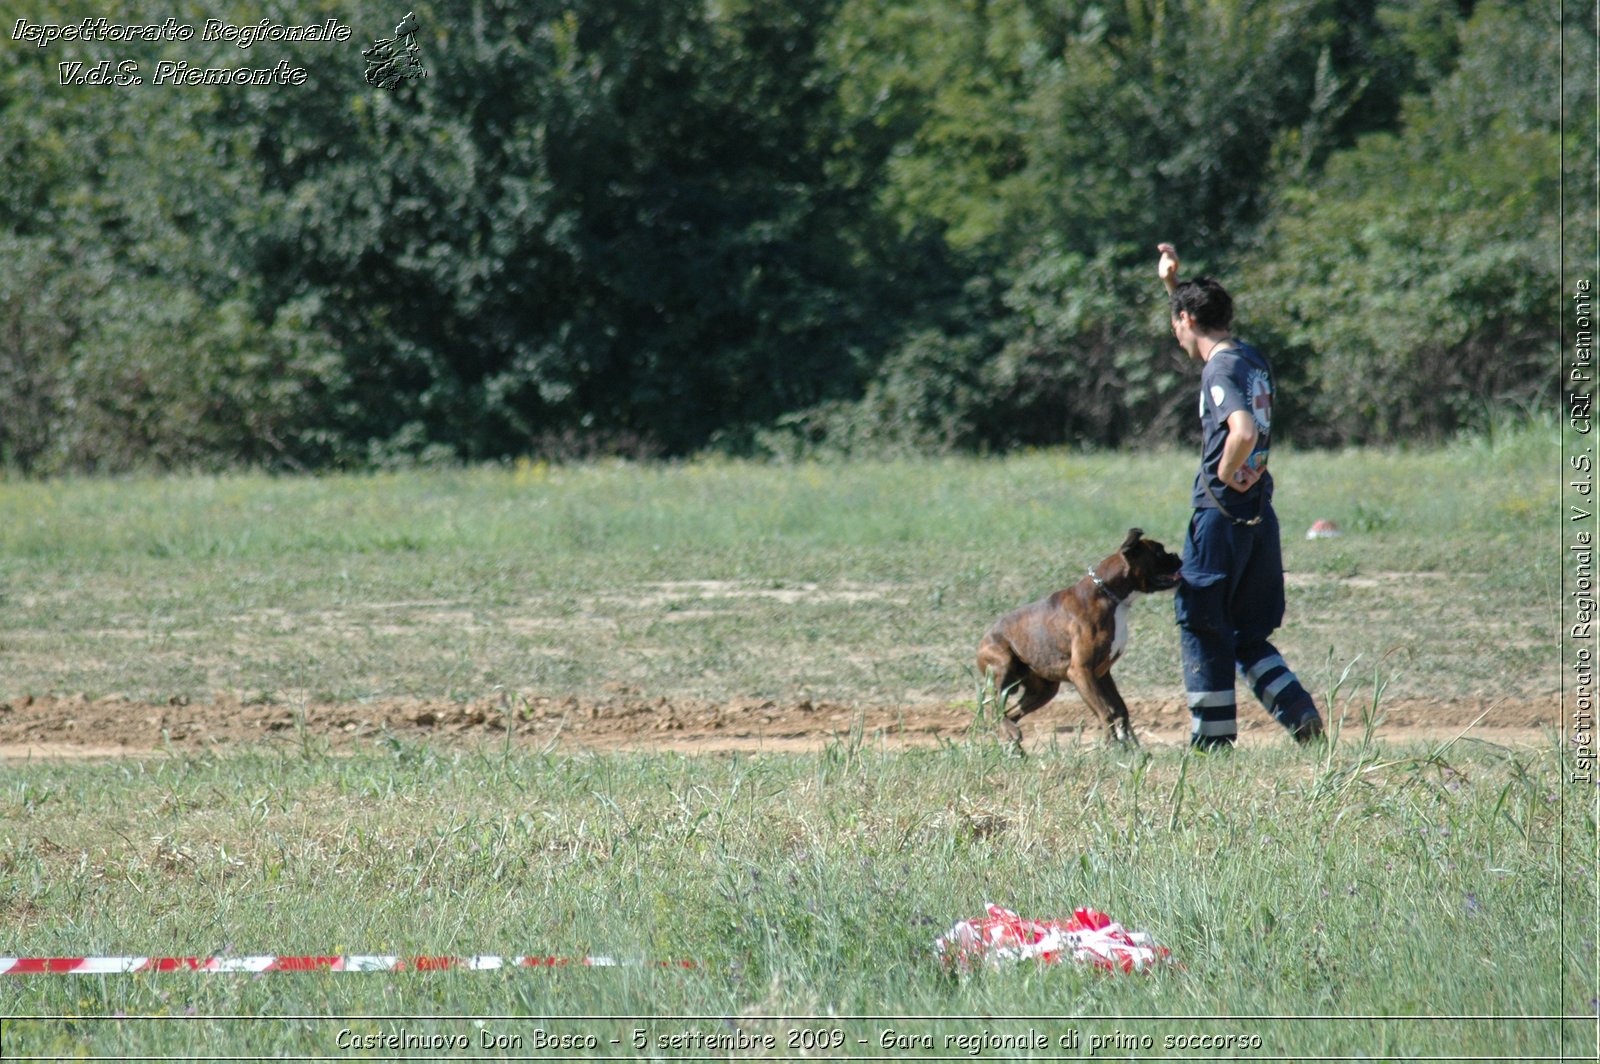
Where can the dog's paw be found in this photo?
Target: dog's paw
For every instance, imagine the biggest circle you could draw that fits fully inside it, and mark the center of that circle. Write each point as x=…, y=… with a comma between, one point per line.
x=1010, y=735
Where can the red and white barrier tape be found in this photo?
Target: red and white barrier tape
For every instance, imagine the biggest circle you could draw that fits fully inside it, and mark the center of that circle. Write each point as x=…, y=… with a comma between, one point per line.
x=360, y=963
x=1089, y=937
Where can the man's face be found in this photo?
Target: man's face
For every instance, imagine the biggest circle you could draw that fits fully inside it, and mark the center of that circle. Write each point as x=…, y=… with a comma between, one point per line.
x=1183, y=329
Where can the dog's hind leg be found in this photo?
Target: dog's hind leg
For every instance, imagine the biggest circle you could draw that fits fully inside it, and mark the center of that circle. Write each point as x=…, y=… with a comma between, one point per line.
x=1010, y=733
x=1001, y=668
x=1036, y=691
x=998, y=668
x=999, y=690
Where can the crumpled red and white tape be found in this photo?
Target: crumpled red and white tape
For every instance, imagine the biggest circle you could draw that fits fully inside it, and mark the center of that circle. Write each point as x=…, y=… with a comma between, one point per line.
x=1090, y=937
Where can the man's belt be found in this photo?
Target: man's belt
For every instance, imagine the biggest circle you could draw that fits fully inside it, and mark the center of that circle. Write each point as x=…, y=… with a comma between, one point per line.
x=1261, y=503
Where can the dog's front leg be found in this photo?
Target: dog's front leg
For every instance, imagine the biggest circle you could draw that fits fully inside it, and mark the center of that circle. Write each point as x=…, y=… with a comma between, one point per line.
x=1121, y=723
x=1103, y=697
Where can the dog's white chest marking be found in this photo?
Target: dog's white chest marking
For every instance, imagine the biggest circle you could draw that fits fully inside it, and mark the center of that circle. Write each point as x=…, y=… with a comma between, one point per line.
x=1119, y=634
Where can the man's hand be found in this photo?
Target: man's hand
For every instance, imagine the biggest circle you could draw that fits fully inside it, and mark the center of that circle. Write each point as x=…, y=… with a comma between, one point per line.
x=1245, y=478
x=1167, y=268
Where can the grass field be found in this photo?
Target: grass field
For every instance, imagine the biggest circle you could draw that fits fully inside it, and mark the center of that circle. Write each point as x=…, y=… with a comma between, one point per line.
x=1369, y=900
x=865, y=582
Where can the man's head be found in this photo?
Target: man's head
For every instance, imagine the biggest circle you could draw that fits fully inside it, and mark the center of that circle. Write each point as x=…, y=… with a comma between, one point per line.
x=1200, y=308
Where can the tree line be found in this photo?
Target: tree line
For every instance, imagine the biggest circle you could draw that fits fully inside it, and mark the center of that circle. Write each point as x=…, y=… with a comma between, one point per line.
x=781, y=227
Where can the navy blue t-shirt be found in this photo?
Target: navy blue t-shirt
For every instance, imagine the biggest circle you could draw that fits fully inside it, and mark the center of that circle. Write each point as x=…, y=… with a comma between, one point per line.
x=1237, y=377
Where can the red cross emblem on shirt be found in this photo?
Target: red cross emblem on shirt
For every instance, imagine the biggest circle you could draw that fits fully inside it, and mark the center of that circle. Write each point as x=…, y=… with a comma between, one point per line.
x=1261, y=399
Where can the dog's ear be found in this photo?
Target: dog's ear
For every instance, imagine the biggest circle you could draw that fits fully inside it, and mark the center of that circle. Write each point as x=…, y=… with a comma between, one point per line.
x=1134, y=536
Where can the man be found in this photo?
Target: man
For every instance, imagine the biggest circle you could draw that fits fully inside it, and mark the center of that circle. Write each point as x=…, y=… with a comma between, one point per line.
x=1231, y=598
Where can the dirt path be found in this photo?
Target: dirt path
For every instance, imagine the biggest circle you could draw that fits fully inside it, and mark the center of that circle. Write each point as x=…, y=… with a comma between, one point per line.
x=81, y=728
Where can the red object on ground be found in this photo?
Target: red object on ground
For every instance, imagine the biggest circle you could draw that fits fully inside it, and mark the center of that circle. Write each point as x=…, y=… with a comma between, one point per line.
x=1090, y=937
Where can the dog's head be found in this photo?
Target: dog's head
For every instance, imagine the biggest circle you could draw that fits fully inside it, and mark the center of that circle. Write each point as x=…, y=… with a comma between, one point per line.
x=1150, y=565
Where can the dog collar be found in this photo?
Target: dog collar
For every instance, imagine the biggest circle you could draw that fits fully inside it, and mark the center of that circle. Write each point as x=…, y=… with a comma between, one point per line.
x=1101, y=584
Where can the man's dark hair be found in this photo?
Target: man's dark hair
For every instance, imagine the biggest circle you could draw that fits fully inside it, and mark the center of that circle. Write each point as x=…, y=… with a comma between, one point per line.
x=1205, y=299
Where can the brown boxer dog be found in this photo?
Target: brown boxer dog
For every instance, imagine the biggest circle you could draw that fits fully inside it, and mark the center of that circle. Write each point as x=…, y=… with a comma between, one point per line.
x=1075, y=635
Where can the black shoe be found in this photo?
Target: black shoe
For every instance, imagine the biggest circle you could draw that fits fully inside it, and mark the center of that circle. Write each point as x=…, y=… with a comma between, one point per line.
x=1310, y=731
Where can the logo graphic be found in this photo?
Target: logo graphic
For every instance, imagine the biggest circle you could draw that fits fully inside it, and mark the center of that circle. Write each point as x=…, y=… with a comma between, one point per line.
x=1260, y=389
x=391, y=61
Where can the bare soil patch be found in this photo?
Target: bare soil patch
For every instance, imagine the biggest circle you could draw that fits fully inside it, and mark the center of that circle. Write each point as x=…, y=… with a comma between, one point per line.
x=624, y=719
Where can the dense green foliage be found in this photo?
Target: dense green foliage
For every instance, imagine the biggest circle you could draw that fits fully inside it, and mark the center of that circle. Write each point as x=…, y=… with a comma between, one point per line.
x=661, y=226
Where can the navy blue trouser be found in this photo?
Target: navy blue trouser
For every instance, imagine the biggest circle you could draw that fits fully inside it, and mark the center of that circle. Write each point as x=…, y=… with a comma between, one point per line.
x=1230, y=601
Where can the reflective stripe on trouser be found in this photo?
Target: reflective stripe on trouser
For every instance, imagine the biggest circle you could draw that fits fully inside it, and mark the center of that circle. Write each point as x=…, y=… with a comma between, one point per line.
x=1213, y=718
x=1279, y=690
